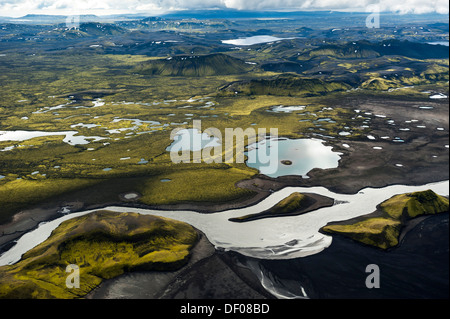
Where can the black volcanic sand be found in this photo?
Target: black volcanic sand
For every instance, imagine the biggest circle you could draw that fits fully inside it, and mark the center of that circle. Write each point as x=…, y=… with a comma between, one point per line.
x=416, y=269
x=208, y=275
x=363, y=166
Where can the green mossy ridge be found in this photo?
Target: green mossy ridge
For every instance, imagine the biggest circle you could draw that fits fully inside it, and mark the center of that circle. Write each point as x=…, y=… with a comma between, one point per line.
x=195, y=66
x=406, y=206
x=100, y=29
x=104, y=245
x=380, y=84
x=285, y=85
x=384, y=232
x=378, y=232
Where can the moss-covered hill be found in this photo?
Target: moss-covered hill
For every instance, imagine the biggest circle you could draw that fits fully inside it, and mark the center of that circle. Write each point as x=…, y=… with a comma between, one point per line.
x=382, y=228
x=103, y=245
x=289, y=204
x=195, y=66
x=101, y=29
x=287, y=85
x=407, y=206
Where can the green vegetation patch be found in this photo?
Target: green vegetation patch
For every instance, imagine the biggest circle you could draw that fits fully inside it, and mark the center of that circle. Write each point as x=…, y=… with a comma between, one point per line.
x=384, y=231
x=285, y=85
x=103, y=245
x=18, y=194
x=204, y=184
x=289, y=204
x=415, y=204
x=379, y=232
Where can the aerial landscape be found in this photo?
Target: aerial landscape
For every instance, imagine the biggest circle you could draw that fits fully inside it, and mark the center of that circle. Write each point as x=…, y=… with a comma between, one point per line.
x=224, y=150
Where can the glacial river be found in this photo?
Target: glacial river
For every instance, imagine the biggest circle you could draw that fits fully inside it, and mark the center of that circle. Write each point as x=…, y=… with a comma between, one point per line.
x=272, y=238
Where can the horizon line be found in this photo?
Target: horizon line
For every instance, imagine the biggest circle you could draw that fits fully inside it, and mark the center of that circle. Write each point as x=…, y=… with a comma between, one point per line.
x=168, y=12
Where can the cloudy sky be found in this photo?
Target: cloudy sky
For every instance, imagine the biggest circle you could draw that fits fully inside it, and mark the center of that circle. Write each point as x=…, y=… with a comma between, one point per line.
x=19, y=8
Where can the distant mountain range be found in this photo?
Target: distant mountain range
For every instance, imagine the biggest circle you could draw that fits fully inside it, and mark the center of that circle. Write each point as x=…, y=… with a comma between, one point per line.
x=225, y=14
x=241, y=14
x=56, y=19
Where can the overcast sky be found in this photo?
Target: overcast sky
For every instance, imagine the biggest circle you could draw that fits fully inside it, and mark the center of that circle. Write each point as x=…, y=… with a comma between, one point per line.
x=19, y=8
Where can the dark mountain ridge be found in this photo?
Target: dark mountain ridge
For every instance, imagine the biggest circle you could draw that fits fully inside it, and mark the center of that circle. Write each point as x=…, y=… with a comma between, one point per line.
x=195, y=65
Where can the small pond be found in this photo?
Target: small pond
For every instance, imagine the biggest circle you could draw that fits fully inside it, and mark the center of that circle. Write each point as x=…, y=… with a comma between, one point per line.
x=281, y=156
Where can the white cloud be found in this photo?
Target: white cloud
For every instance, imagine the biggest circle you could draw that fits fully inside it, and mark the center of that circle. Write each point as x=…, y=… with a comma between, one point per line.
x=22, y=7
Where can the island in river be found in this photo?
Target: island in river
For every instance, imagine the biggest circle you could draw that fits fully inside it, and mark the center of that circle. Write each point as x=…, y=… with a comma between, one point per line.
x=383, y=227
x=294, y=204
